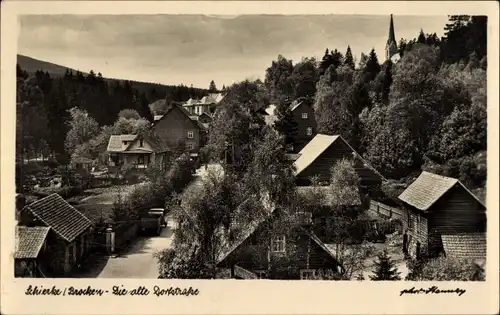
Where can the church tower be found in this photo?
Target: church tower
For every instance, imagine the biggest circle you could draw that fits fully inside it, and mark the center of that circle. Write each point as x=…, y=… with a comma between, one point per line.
x=391, y=48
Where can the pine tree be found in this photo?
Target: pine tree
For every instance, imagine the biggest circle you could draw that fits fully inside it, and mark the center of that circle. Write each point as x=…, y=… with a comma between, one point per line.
x=348, y=59
x=372, y=67
x=421, y=37
x=385, y=269
x=287, y=125
x=212, y=88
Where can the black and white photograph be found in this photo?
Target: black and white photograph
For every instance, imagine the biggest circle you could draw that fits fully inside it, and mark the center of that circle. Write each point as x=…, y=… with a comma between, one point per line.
x=306, y=147
x=322, y=151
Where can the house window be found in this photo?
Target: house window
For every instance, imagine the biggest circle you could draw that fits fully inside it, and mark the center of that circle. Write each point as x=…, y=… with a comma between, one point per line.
x=190, y=135
x=304, y=115
x=278, y=244
x=307, y=274
x=141, y=143
x=309, y=131
x=190, y=146
x=140, y=159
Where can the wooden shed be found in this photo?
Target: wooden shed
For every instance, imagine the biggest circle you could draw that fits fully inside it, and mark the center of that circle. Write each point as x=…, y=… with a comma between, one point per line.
x=438, y=210
x=318, y=157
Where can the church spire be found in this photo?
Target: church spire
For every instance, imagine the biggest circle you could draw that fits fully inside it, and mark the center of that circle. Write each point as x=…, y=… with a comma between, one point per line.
x=391, y=47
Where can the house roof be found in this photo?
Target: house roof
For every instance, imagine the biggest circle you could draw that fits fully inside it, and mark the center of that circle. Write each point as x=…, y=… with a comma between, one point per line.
x=427, y=189
x=193, y=118
x=467, y=245
x=252, y=227
x=115, y=143
x=29, y=241
x=328, y=249
x=313, y=150
x=270, y=109
x=317, y=146
x=326, y=191
x=295, y=105
x=64, y=219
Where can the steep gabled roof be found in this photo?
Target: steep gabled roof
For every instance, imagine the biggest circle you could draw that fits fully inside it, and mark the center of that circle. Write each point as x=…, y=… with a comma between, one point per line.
x=29, y=241
x=317, y=146
x=185, y=112
x=313, y=150
x=251, y=228
x=115, y=143
x=63, y=218
x=428, y=188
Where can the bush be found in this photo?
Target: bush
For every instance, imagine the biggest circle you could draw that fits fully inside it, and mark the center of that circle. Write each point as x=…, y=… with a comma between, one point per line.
x=444, y=269
x=65, y=192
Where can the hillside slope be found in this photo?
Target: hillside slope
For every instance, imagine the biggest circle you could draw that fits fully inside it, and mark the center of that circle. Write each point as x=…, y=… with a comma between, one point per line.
x=154, y=91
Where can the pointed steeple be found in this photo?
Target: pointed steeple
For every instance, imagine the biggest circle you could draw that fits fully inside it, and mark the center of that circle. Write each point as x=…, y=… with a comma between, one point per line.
x=391, y=47
x=392, y=36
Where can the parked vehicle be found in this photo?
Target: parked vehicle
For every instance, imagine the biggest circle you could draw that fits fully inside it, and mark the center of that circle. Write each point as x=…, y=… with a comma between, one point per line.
x=160, y=212
x=151, y=224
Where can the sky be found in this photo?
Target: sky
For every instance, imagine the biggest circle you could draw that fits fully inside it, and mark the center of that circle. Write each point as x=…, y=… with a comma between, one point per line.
x=195, y=49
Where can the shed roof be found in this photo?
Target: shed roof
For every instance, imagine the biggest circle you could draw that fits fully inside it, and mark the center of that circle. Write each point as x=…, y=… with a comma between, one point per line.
x=465, y=246
x=29, y=241
x=63, y=218
x=428, y=188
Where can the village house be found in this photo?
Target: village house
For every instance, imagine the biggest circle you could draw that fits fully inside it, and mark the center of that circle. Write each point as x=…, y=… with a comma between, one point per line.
x=317, y=158
x=137, y=151
x=267, y=251
x=443, y=216
x=303, y=115
x=31, y=246
x=67, y=243
x=180, y=131
x=207, y=104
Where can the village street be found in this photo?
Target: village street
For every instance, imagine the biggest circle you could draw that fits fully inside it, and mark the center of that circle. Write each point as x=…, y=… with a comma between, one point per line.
x=137, y=261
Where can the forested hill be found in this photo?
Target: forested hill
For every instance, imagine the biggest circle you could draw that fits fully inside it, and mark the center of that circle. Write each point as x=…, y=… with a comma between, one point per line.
x=153, y=91
x=45, y=96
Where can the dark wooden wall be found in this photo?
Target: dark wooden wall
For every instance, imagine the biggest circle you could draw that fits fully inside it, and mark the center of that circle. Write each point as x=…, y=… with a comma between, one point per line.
x=303, y=124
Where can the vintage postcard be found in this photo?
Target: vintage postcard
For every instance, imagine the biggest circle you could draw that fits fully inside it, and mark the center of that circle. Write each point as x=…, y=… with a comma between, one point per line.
x=334, y=157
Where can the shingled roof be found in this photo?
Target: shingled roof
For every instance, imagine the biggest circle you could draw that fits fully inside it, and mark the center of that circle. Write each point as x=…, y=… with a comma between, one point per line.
x=115, y=143
x=56, y=213
x=29, y=241
x=465, y=246
x=428, y=188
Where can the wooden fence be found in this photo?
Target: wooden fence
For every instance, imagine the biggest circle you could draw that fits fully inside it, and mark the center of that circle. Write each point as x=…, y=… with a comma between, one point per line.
x=385, y=211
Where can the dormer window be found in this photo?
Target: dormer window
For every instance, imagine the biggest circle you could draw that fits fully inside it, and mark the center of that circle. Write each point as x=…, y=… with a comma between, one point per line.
x=304, y=115
x=141, y=143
